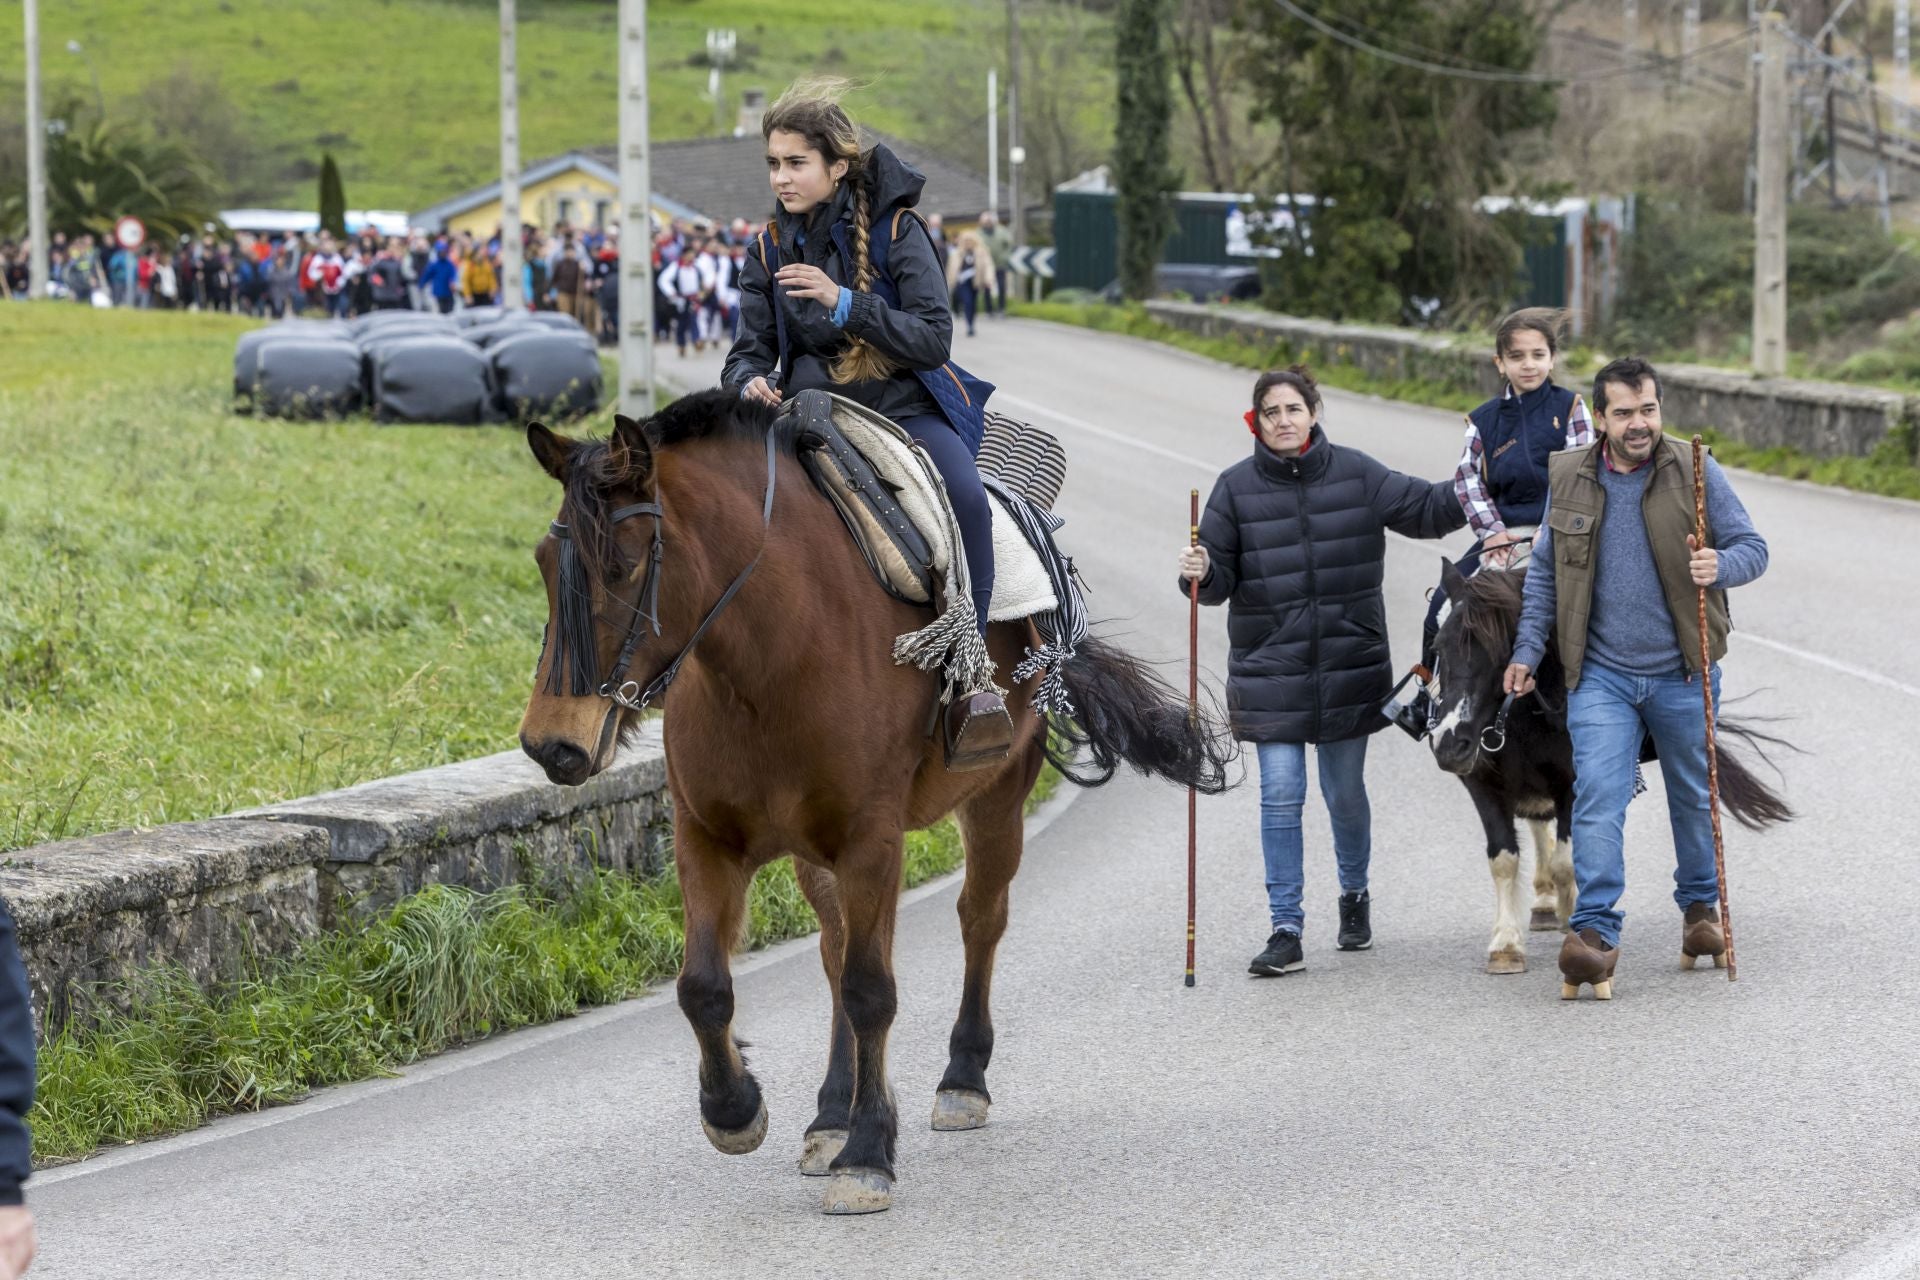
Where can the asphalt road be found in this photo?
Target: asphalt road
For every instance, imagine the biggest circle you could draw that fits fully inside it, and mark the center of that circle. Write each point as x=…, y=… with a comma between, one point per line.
x=1390, y=1113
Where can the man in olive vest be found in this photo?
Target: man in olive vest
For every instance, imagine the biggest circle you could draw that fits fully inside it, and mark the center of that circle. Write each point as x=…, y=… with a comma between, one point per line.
x=1613, y=582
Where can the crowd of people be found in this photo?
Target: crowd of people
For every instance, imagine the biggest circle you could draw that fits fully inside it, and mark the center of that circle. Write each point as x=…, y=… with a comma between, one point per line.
x=696, y=272
x=273, y=276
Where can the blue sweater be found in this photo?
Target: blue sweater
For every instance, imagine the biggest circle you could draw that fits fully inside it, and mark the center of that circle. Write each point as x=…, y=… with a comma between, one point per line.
x=1629, y=627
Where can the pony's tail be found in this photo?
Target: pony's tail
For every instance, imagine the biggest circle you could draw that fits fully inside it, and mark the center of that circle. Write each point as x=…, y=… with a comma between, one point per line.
x=1753, y=804
x=1126, y=712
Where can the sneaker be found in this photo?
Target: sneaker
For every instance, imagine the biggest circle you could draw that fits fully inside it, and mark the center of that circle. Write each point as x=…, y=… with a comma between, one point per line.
x=1281, y=956
x=1356, y=921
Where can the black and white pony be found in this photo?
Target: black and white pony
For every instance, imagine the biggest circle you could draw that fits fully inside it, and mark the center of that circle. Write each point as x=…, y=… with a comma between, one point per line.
x=1516, y=761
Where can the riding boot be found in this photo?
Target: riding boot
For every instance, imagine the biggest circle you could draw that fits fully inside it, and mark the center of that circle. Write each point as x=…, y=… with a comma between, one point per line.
x=1701, y=935
x=1587, y=960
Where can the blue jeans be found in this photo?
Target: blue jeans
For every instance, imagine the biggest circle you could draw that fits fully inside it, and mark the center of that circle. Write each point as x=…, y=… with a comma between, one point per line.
x=954, y=461
x=1283, y=793
x=1607, y=716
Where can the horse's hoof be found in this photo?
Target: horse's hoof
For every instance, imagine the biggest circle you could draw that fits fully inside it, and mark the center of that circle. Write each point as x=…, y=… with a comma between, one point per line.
x=957, y=1109
x=738, y=1142
x=857, y=1191
x=1545, y=920
x=1506, y=962
x=822, y=1146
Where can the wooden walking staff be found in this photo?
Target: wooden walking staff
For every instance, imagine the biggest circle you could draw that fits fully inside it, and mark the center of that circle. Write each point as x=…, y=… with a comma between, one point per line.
x=1193, y=711
x=1706, y=696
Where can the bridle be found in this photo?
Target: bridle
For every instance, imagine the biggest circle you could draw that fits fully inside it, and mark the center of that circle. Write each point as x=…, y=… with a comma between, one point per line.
x=617, y=688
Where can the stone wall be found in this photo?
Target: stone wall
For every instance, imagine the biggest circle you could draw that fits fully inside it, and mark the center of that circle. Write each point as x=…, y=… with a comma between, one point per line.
x=212, y=896
x=1826, y=419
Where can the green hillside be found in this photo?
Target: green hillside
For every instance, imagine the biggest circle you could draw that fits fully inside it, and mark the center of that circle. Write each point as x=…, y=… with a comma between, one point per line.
x=403, y=92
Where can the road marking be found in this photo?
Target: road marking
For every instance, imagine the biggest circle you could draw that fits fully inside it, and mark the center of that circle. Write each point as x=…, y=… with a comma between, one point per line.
x=1891, y=1255
x=1122, y=438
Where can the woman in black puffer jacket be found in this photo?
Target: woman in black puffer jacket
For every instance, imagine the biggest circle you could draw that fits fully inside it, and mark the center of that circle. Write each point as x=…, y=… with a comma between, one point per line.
x=1294, y=539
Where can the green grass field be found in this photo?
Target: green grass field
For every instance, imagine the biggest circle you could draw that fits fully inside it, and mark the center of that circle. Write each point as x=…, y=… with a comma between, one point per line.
x=405, y=92
x=203, y=611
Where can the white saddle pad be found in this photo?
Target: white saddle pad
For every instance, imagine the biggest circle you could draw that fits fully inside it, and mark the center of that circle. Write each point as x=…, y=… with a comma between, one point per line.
x=1021, y=587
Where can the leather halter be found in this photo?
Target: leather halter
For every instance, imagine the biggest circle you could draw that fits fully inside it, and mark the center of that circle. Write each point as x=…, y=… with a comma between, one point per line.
x=629, y=693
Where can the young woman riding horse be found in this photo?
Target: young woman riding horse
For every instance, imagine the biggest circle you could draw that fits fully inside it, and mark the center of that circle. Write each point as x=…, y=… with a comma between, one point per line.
x=693, y=564
x=839, y=335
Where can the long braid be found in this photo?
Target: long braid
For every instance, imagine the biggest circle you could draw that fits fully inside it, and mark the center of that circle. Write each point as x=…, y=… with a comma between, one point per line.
x=861, y=361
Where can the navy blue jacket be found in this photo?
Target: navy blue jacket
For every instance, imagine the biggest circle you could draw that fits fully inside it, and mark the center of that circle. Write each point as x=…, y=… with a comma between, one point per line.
x=1298, y=546
x=16, y=1064
x=1517, y=435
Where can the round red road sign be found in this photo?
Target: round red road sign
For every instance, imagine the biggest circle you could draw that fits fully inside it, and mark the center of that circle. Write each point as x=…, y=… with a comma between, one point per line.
x=129, y=232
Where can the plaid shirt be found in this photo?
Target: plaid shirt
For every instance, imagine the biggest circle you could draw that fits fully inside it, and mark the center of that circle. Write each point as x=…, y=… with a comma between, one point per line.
x=1470, y=478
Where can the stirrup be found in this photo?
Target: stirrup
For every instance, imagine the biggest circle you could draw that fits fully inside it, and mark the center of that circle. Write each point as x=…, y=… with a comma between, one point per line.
x=978, y=732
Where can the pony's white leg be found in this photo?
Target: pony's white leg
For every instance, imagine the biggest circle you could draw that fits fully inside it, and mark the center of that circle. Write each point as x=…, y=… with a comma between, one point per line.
x=1546, y=914
x=1564, y=888
x=1507, y=952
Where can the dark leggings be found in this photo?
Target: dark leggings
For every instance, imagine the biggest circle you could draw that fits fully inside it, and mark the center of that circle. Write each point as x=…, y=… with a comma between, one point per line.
x=969, y=302
x=968, y=496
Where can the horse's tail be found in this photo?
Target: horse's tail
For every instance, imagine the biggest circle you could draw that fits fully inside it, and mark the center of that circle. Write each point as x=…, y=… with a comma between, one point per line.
x=1124, y=711
x=1753, y=804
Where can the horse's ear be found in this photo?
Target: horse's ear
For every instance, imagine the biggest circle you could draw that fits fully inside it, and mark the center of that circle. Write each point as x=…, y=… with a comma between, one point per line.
x=553, y=452
x=632, y=453
x=1452, y=581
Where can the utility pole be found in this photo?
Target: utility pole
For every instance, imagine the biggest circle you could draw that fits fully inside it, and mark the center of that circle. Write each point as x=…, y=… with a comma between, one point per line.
x=993, y=140
x=1902, y=55
x=1833, y=153
x=1016, y=154
x=509, y=160
x=1689, y=37
x=721, y=42
x=636, y=218
x=1770, y=201
x=36, y=159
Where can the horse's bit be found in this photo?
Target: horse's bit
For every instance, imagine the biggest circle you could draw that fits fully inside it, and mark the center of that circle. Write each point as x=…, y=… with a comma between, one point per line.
x=629, y=693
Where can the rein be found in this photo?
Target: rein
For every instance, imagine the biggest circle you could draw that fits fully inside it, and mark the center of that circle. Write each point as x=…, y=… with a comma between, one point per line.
x=617, y=688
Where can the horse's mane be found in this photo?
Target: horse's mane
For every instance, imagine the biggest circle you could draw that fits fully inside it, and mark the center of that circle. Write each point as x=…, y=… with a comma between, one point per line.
x=595, y=470
x=1491, y=608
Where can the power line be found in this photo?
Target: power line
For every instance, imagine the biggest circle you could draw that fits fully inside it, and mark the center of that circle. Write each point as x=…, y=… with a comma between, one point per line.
x=1384, y=41
x=1471, y=73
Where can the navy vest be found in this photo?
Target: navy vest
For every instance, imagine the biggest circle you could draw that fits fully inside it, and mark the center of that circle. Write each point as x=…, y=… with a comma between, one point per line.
x=1518, y=433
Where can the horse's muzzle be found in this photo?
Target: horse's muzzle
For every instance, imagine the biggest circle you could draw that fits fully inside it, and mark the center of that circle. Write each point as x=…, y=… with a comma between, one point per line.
x=1456, y=752
x=564, y=763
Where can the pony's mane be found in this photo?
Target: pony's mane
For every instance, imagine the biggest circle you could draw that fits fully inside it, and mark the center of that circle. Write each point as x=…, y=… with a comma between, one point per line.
x=1491, y=608
x=595, y=470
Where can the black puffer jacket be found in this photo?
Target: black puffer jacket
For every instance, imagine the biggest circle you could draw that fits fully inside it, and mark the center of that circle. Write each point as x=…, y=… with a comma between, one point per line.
x=917, y=335
x=1297, y=545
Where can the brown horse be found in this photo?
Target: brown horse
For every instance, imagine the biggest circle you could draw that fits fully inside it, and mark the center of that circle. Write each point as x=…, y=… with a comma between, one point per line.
x=695, y=538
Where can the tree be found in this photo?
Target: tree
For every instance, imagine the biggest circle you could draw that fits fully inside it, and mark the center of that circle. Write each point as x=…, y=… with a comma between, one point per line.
x=1396, y=157
x=333, y=198
x=1141, y=175
x=1207, y=67
x=98, y=172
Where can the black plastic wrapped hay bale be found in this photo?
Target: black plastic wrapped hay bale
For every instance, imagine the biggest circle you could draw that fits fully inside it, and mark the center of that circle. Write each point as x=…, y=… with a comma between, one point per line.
x=430, y=379
x=484, y=336
x=397, y=319
x=246, y=352
x=307, y=377
x=545, y=373
x=556, y=320
x=467, y=317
